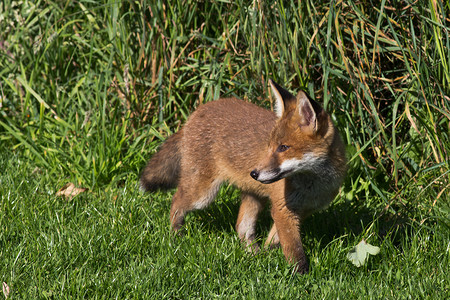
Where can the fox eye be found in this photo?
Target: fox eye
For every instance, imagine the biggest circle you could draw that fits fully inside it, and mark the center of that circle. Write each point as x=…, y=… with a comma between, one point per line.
x=282, y=148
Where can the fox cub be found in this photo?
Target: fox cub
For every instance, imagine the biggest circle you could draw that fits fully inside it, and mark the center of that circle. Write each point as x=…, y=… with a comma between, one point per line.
x=293, y=156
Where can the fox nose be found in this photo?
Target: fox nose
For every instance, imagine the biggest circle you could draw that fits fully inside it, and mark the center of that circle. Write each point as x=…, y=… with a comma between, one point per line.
x=254, y=174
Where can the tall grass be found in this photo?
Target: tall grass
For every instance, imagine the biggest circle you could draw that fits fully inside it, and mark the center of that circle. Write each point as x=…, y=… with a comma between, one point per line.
x=91, y=88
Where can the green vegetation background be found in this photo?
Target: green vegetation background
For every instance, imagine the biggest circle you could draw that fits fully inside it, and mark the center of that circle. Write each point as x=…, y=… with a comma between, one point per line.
x=89, y=89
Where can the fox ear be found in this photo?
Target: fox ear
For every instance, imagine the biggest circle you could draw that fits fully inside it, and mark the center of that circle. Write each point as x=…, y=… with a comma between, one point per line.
x=282, y=96
x=308, y=110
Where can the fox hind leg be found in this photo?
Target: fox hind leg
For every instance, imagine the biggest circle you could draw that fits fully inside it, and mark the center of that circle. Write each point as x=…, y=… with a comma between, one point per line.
x=272, y=241
x=193, y=195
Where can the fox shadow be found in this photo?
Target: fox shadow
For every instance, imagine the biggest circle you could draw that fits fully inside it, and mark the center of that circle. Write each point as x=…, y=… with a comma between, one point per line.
x=341, y=218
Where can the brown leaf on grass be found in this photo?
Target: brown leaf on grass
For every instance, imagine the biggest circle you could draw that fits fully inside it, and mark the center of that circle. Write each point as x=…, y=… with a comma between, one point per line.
x=69, y=191
x=6, y=290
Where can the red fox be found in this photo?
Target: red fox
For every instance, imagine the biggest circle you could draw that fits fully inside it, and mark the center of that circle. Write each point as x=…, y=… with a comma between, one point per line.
x=294, y=156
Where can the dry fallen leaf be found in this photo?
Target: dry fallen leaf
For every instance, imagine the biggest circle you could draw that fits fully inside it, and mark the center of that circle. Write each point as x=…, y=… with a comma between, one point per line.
x=69, y=191
x=6, y=290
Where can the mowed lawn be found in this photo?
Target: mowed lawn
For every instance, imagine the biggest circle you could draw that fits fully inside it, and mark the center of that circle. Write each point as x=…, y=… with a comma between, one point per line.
x=115, y=243
x=89, y=90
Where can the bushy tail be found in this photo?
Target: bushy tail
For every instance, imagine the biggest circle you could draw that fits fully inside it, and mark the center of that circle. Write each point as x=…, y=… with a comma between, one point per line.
x=163, y=169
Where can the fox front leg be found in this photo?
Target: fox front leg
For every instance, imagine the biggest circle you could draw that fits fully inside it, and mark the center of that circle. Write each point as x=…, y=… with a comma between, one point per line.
x=287, y=225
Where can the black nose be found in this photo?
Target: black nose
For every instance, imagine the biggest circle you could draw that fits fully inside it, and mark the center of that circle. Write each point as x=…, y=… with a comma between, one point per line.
x=254, y=174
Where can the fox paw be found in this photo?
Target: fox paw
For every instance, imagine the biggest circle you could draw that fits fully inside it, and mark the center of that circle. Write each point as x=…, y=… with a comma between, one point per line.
x=252, y=248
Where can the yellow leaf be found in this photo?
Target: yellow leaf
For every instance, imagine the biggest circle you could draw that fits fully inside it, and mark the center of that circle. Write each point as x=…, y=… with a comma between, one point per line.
x=359, y=255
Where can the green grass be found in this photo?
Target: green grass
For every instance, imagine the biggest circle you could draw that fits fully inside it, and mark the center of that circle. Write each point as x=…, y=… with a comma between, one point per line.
x=115, y=243
x=88, y=90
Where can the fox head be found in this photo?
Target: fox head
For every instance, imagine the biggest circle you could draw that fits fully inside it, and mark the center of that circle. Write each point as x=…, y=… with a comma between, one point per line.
x=300, y=141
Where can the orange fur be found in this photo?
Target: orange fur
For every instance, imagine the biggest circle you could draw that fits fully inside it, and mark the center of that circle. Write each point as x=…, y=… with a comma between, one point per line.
x=295, y=157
